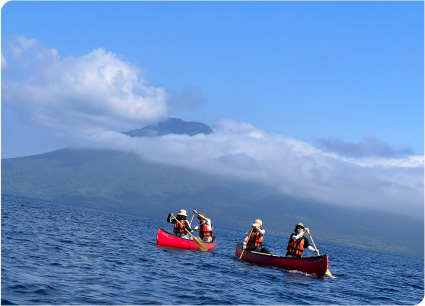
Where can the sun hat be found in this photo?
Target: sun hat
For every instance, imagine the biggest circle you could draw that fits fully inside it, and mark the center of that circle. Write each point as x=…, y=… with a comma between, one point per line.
x=182, y=212
x=299, y=224
x=258, y=222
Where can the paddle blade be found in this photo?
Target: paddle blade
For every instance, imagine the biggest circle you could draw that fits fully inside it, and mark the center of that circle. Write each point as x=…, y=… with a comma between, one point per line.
x=330, y=274
x=200, y=244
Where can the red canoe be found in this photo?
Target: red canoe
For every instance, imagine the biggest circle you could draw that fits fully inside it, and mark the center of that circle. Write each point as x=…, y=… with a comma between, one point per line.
x=312, y=265
x=166, y=239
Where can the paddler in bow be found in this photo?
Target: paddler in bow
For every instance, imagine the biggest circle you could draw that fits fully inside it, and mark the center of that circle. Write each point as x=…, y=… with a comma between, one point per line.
x=254, y=239
x=298, y=242
x=180, y=225
x=205, y=227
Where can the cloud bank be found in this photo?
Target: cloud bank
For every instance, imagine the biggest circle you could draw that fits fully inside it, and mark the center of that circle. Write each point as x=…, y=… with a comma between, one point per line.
x=240, y=151
x=84, y=94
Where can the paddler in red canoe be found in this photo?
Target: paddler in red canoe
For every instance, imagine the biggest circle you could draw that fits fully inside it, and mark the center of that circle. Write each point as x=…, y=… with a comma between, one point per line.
x=205, y=227
x=254, y=239
x=180, y=224
x=298, y=242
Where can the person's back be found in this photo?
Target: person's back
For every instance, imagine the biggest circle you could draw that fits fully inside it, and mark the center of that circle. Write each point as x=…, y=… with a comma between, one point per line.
x=181, y=226
x=254, y=239
x=205, y=227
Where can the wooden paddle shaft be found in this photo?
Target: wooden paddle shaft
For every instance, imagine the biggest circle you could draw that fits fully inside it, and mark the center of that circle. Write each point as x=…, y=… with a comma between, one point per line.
x=313, y=243
x=243, y=250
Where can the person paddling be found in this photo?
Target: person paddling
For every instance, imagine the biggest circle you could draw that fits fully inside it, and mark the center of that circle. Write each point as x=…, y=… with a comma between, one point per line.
x=254, y=239
x=180, y=224
x=205, y=227
x=298, y=242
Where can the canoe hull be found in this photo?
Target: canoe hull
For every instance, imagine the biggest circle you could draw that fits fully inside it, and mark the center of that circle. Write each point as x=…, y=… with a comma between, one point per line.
x=317, y=265
x=164, y=238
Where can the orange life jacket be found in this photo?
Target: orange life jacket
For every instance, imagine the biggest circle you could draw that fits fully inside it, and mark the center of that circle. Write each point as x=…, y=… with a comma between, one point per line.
x=179, y=227
x=296, y=246
x=256, y=239
x=203, y=230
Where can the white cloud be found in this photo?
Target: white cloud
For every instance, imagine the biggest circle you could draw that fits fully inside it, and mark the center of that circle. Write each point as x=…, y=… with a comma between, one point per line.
x=242, y=152
x=85, y=94
x=191, y=97
x=4, y=64
x=99, y=92
x=369, y=146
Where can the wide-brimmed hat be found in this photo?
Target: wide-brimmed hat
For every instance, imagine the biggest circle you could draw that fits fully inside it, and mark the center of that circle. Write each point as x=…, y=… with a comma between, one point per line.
x=258, y=222
x=182, y=212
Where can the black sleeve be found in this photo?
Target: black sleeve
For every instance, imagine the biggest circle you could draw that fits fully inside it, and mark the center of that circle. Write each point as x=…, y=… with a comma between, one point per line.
x=170, y=219
x=306, y=243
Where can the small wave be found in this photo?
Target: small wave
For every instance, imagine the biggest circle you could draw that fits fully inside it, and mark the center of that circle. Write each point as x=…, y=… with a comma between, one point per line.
x=7, y=302
x=101, y=266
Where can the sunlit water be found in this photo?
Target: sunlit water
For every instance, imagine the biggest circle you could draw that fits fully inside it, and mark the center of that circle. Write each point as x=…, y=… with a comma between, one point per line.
x=58, y=254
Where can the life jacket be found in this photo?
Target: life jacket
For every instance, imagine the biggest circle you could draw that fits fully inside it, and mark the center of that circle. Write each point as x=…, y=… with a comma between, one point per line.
x=256, y=239
x=179, y=227
x=203, y=230
x=296, y=246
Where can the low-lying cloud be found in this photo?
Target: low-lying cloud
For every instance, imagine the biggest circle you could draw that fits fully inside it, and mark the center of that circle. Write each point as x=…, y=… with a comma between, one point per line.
x=241, y=151
x=84, y=94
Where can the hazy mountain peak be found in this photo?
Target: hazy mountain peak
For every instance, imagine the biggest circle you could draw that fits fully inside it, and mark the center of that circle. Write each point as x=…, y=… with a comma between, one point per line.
x=171, y=126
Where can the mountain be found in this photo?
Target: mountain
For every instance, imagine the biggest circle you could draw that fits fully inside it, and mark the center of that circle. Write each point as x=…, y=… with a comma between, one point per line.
x=171, y=126
x=124, y=182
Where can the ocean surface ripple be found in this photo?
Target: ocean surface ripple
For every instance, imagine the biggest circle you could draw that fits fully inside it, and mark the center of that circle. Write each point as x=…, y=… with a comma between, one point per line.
x=59, y=254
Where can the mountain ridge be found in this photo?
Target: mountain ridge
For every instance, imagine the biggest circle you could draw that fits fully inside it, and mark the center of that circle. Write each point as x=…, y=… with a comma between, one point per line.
x=122, y=181
x=171, y=126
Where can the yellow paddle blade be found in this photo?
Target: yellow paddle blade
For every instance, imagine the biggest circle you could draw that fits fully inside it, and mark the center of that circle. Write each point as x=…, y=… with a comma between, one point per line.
x=330, y=274
x=200, y=244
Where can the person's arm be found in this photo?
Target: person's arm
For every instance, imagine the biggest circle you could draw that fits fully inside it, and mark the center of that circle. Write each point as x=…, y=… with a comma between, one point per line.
x=294, y=236
x=187, y=226
x=170, y=219
x=195, y=228
x=307, y=245
x=261, y=231
x=245, y=241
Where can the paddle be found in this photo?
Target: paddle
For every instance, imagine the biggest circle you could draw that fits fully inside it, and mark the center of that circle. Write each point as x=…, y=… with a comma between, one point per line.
x=198, y=241
x=191, y=220
x=246, y=242
x=327, y=271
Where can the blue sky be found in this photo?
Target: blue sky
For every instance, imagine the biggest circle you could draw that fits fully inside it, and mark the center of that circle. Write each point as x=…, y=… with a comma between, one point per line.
x=307, y=70
x=321, y=100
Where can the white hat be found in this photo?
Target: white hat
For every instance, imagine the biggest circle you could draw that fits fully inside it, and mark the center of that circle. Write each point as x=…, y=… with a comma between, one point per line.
x=182, y=212
x=258, y=222
x=297, y=225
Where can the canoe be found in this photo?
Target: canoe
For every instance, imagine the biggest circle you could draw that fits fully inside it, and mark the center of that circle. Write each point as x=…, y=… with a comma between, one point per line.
x=317, y=265
x=166, y=239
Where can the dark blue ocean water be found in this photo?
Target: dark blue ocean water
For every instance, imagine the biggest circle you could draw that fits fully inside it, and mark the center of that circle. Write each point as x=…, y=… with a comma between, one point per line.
x=58, y=254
